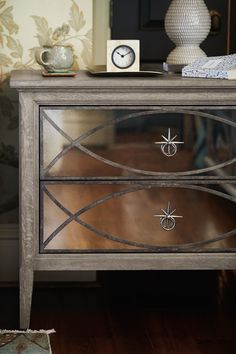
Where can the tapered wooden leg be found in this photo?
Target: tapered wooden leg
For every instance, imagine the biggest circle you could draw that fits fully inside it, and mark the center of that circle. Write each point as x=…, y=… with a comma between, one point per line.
x=26, y=289
x=28, y=201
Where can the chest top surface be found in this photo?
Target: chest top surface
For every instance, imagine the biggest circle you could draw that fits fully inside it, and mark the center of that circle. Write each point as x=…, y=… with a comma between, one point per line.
x=34, y=81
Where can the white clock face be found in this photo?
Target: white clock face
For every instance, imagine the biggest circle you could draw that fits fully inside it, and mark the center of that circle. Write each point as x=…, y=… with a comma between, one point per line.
x=123, y=56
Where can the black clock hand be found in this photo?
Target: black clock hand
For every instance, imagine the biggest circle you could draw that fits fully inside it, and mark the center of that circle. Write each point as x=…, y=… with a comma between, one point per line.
x=127, y=53
x=120, y=54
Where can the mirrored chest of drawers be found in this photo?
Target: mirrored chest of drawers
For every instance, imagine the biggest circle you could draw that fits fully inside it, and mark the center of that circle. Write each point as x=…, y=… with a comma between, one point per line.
x=125, y=173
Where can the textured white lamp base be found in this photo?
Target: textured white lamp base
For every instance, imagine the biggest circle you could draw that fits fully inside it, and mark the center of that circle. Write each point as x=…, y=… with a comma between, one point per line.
x=185, y=54
x=187, y=24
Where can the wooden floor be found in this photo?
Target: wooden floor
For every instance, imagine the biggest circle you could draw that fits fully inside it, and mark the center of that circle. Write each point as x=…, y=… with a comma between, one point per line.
x=135, y=313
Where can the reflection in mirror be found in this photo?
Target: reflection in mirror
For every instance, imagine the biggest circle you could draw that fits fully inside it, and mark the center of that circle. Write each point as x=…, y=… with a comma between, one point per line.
x=128, y=142
x=73, y=123
x=107, y=134
x=117, y=217
x=83, y=142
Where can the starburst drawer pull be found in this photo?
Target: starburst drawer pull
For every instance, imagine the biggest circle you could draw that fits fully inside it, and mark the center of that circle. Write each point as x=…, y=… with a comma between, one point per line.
x=169, y=145
x=167, y=219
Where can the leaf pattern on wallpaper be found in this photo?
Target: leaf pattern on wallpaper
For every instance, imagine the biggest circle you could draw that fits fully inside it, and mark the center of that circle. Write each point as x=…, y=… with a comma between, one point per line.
x=6, y=21
x=44, y=31
x=15, y=46
x=77, y=20
x=2, y=3
x=67, y=33
x=31, y=56
x=8, y=27
x=63, y=34
x=60, y=33
x=5, y=60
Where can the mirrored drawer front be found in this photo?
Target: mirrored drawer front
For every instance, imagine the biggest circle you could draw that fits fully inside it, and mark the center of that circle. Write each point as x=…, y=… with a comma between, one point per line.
x=85, y=142
x=136, y=218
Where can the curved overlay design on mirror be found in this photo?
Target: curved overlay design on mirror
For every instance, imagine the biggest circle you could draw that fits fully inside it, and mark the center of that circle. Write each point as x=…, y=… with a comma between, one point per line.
x=77, y=143
x=188, y=246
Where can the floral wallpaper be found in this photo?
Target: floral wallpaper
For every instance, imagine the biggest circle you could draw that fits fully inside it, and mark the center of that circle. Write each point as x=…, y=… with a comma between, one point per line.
x=26, y=25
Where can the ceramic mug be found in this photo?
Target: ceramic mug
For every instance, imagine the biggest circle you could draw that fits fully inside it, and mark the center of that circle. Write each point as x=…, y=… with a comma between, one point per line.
x=58, y=58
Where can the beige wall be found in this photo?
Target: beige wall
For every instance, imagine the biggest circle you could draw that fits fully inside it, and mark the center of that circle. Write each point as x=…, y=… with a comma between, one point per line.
x=101, y=30
x=27, y=24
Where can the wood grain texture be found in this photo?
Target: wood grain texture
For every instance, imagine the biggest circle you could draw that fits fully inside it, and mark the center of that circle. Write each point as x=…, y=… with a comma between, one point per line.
x=86, y=90
x=29, y=202
x=164, y=90
x=32, y=79
x=155, y=261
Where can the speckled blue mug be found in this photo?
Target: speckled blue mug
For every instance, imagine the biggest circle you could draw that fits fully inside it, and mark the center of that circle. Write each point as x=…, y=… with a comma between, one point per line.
x=58, y=58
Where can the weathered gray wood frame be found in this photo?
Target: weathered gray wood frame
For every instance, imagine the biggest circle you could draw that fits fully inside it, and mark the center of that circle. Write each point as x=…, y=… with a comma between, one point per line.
x=84, y=90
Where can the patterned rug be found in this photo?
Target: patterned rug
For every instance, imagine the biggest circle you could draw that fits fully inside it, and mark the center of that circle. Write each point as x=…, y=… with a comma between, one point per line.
x=25, y=342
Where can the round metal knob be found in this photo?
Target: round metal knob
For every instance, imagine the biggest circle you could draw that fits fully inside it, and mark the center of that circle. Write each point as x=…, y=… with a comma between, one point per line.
x=168, y=223
x=169, y=149
x=167, y=219
x=169, y=144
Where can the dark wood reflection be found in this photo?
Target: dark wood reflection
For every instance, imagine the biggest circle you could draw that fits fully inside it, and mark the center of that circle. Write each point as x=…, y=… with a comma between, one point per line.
x=132, y=142
x=130, y=217
x=76, y=163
